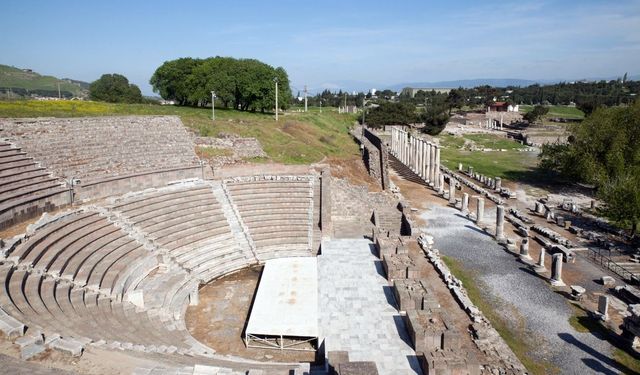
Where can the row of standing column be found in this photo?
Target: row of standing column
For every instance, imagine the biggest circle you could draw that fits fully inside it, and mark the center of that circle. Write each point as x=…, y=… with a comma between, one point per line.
x=422, y=157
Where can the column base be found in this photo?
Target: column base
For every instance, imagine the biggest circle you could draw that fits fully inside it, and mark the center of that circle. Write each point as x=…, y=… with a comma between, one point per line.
x=539, y=269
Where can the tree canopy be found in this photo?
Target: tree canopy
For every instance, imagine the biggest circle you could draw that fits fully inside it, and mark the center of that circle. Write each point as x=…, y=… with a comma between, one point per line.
x=389, y=113
x=535, y=114
x=114, y=88
x=245, y=84
x=604, y=150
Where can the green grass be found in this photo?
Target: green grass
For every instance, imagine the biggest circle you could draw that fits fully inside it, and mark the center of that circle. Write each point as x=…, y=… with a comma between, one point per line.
x=297, y=138
x=212, y=152
x=513, y=336
x=558, y=111
x=511, y=164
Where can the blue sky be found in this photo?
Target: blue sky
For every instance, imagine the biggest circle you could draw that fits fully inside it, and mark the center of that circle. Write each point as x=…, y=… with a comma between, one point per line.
x=328, y=43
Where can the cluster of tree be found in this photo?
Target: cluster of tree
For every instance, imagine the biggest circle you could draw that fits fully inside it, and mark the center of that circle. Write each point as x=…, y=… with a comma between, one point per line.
x=331, y=99
x=434, y=117
x=586, y=95
x=535, y=114
x=114, y=88
x=389, y=113
x=604, y=150
x=245, y=84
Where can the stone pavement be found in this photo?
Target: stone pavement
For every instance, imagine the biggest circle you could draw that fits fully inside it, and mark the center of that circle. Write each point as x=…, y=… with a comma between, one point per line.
x=357, y=308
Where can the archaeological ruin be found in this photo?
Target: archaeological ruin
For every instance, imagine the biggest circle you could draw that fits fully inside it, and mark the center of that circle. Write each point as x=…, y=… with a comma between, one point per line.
x=120, y=244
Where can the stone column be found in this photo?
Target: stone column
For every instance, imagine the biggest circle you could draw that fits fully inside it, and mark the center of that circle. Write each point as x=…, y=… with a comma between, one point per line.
x=405, y=148
x=459, y=167
x=420, y=154
x=471, y=171
x=465, y=203
x=414, y=164
x=434, y=177
x=479, y=210
x=524, y=249
x=603, y=307
x=452, y=190
x=416, y=143
x=410, y=150
x=395, y=141
x=429, y=177
x=400, y=145
x=438, y=161
x=500, y=223
x=414, y=154
x=441, y=184
x=425, y=158
x=498, y=181
x=556, y=270
x=540, y=265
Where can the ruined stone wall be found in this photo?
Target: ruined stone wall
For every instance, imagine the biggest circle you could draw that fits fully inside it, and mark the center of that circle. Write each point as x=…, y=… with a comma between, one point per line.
x=242, y=148
x=356, y=204
x=375, y=155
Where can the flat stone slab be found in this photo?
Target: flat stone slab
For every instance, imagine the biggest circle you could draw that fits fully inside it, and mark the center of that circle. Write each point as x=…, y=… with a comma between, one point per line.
x=358, y=368
x=357, y=309
x=68, y=346
x=31, y=350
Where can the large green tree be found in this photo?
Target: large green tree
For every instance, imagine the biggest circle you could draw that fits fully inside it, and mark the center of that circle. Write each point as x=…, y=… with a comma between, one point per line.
x=604, y=150
x=389, y=113
x=114, y=88
x=535, y=114
x=245, y=84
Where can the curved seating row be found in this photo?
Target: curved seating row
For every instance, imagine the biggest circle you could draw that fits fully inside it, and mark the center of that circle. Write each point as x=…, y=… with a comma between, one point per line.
x=69, y=278
x=190, y=225
x=90, y=148
x=278, y=214
x=123, y=275
x=26, y=189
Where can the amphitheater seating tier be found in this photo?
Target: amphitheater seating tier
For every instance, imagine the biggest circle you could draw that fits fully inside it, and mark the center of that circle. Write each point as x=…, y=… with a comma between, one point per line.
x=93, y=148
x=277, y=212
x=26, y=188
x=77, y=274
x=189, y=223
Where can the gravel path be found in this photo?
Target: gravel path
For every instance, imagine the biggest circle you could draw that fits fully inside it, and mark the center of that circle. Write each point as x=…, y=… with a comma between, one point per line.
x=527, y=299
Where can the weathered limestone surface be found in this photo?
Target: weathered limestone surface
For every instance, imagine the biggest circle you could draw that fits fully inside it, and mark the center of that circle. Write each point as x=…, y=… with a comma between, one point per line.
x=414, y=294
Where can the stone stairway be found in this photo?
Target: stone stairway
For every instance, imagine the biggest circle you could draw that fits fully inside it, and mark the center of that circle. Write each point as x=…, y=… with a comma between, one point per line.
x=238, y=228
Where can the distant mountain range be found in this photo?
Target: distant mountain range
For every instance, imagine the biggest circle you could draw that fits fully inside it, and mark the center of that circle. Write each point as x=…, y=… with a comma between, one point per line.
x=24, y=82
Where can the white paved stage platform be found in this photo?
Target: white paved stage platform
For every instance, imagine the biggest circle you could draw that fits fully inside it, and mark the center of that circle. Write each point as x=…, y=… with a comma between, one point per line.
x=357, y=309
x=286, y=303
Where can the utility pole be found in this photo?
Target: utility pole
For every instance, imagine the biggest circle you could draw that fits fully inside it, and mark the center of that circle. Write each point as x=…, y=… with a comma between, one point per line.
x=276, y=81
x=59, y=96
x=213, y=105
x=345, y=101
x=305, y=98
x=320, y=105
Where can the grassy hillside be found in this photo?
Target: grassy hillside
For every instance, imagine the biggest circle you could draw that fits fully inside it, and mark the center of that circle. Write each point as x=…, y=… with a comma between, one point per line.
x=14, y=78
x=297, y=138
x=560, y=111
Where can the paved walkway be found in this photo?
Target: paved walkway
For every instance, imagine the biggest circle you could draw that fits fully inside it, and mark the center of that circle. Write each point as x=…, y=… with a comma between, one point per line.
x=357, y=308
